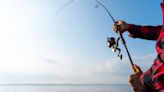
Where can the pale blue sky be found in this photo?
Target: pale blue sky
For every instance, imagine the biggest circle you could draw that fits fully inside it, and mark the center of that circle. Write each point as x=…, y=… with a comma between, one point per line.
x=40, y=46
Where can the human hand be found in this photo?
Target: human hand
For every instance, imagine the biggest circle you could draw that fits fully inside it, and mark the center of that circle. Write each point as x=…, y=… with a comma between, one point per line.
x=134, y=80
x=120, y=26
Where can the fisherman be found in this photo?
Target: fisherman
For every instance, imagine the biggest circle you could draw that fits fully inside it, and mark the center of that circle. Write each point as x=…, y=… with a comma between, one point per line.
x=153, y=79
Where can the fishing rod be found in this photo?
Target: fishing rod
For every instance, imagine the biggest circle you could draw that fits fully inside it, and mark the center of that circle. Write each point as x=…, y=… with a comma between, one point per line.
x=111, y=41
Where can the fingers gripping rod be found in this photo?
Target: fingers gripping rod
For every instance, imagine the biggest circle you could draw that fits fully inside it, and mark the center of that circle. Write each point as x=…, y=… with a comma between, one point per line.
x=120, y=35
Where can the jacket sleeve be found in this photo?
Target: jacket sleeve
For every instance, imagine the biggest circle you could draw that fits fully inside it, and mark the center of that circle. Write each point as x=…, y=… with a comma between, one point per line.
x=144, y=32
x=162, y=90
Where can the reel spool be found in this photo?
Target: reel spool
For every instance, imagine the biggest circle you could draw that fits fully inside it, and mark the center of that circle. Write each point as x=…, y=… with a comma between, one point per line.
x=111, y=43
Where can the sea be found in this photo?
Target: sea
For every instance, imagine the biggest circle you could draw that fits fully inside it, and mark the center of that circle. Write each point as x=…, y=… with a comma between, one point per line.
x=65, y=88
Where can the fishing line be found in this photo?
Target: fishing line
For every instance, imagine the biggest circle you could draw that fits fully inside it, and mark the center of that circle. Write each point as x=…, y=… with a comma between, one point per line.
x=64, y=6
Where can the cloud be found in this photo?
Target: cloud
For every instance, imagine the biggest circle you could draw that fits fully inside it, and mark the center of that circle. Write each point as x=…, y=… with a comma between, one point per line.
x=116, y=71
x=37, y=69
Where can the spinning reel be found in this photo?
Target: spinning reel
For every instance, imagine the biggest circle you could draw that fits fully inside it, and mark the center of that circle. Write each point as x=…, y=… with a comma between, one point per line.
x=111, y=43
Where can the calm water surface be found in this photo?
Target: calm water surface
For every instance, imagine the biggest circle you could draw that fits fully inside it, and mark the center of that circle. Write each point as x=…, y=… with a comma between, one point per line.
x=65, y=88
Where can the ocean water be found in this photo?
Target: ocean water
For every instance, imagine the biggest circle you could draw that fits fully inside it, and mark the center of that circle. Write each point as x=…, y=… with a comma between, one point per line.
x=66, y=88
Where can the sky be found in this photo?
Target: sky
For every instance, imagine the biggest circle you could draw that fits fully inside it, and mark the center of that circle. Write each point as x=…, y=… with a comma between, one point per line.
x=41, y=45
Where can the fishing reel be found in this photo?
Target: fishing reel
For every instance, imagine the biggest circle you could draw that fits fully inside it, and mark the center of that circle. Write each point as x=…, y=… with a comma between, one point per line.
x=111, y=43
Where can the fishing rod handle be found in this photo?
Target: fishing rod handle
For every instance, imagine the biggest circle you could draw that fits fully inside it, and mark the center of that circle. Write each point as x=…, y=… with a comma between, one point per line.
x=135, y=69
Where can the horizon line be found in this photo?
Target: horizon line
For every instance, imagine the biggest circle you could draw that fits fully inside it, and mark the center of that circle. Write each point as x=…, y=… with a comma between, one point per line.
x=64, y=84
